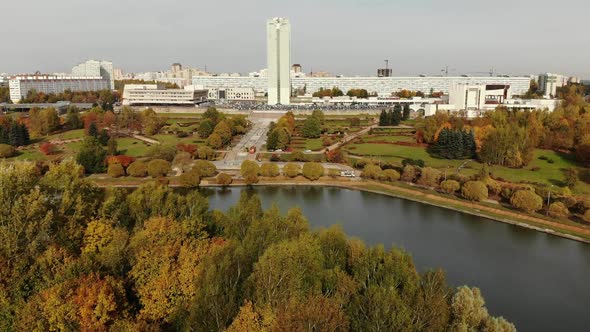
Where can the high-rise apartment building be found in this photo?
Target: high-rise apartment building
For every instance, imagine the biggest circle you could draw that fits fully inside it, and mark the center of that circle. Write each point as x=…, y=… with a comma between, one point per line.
x=278, y=41
x=95, y=68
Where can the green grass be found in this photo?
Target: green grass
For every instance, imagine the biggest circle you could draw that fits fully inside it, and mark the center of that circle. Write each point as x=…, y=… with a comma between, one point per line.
x=132, y=147
x=548, y=173
x=29, y=154
x=313, y=144
x=387, y=138
x=173, y=139
x=70, y=134
x=181, y=115
x=397, y=153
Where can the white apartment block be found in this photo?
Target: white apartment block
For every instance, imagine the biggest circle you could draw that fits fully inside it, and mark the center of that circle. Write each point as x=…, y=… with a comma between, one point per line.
x=384, y=86
x=96, y=68
x=152, y=94
x=21, y=85
x=548, y=83
x=278, y=46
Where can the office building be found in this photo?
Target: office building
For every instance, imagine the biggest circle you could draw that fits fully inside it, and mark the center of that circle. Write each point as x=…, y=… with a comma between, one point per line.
x=96, y=68
x=22, y=84
x=154, y=94
x=278, y=32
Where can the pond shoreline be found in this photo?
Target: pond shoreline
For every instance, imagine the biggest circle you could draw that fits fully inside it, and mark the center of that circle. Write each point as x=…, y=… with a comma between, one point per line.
x=411, y=195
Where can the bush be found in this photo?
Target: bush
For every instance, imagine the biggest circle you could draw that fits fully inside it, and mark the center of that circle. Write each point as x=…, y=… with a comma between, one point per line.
x=361, y=163
x=409, y=173
x=48, y=148
x=413, y=162
x=586, y=216
x=161, y=151
x=191, y=179
x=269, y=170
x=313, y=171
x=389, y=175
x=558, y=210
x=205, y=152
x=494, y=187
x=474, y=191
x=371, y=172
x=429, y=177
x=334, y=172
x=205, y=168
x=298, y=156
x=116, y=170
x=450, y=186
x=250, y=171
x=526, y=200
x=6, y=151
x=125, y=161
x=158, y=168
x=291, y=170
x=224, y=179
x=137, y=169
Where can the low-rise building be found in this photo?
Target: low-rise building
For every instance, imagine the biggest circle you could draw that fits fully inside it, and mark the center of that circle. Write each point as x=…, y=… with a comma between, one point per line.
x=232, y=94
x=154, y=94
x=22, y=84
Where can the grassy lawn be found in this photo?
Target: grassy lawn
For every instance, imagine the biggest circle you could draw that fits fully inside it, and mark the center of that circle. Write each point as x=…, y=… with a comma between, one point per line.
x=181, y=115
x=313, y=144
x=173, y=139
x=30, y=154
x=397, y=153
x=132, y=147
x=387, y=138
x=548, y=173
x=67, y=135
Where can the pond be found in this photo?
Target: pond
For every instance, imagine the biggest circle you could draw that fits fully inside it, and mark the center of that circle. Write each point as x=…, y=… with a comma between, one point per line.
x=537, y=281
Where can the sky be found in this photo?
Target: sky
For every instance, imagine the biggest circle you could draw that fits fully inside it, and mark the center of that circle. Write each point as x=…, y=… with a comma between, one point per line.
x=350, y=37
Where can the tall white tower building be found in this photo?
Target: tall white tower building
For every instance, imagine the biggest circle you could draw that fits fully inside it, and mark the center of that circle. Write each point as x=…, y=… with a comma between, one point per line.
x=94, y=68
x=278, y=45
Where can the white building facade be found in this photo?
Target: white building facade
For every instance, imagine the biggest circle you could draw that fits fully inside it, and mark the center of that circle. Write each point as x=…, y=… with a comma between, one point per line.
x=96, y=68
x=152, y=94
x=384, y=86
x=278, y=48
x=21, y=85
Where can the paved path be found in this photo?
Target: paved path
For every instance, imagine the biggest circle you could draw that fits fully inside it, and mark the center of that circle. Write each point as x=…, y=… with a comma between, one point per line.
x=256, y=136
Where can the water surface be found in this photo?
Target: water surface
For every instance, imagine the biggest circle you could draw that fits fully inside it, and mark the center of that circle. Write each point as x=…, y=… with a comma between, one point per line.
x=538, y=281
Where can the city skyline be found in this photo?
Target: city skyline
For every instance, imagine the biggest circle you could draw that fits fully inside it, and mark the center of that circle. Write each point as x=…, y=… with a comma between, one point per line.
x=417, y=38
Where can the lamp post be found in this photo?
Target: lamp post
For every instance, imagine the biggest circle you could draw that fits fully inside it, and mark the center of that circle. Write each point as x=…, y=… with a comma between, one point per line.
x=548, y=200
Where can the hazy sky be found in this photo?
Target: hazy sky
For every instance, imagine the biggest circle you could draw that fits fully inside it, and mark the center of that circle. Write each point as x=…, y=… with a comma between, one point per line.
x=351, y=37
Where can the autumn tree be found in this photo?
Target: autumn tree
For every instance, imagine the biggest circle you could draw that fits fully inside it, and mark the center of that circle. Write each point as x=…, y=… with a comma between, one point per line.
x=250, y=171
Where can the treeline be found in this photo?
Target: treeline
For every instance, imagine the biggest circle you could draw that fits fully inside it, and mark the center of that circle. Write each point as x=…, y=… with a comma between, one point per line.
x=103, y=98
x=5, y=94
x=155, y=259
x=393, y=117
x=13, y=132
x=334, y=92
x=509, y=137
